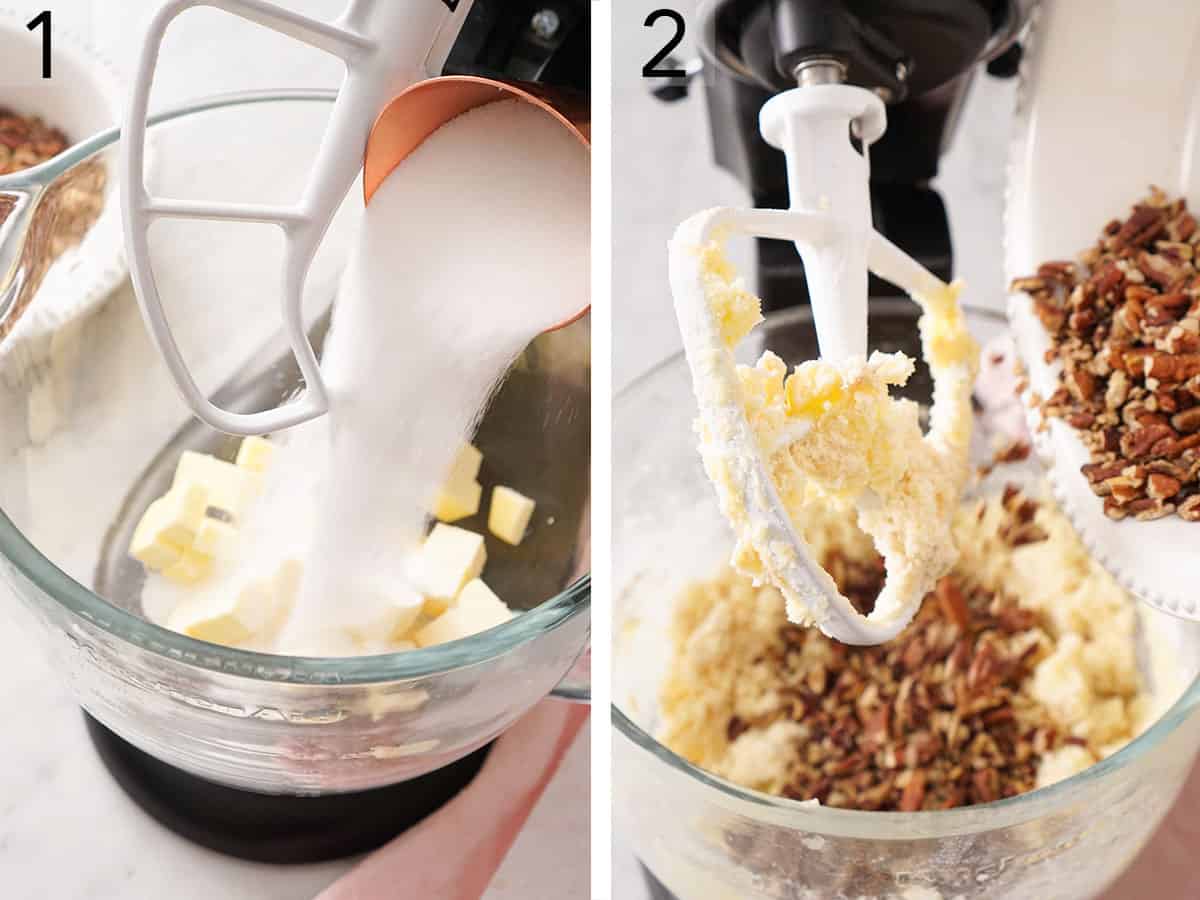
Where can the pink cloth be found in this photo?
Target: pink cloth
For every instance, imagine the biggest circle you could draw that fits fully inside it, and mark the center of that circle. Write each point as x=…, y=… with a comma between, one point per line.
x=454, y=853
x=1166, y=869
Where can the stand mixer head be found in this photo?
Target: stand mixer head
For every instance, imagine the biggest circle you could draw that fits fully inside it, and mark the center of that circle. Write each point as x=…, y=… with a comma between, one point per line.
x=829, y=221
x=387, y=47
x=748, y=50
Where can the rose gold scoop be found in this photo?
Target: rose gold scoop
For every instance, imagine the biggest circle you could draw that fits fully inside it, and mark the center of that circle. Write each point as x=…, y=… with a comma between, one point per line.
x=416, y=113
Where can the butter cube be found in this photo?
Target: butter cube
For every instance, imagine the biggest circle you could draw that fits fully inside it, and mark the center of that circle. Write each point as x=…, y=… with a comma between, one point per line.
x=460, y=495
x=229, y=619
x=214, y=537
x=191, y=567
x=154, y=553
x=255, y=453
x=457, y=500
x=477, y=609
x=229, y=487
x=257, y=609
x=510, y=514
x=394, y=622
x=404, y=618
x=466, y=464
x=449, y=558
x=169, y=526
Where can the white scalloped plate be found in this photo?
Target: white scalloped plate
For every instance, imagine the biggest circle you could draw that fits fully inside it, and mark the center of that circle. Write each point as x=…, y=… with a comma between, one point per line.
x=84, y=96
x=1107, y=105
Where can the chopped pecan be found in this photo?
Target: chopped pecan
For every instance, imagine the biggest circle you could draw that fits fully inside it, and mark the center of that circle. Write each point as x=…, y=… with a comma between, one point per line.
x=1189, y=509
x=1162, y=487
x=1117, y=391
x=1141, y=228
x=1030, y=285
x=1139, y=443
x=1114, y=510
x=1187, y=421
x=910, y=724
x=1148, y=509
x=1169, y=367
x=1082, y=384
x=950, y=600
x=913, y=796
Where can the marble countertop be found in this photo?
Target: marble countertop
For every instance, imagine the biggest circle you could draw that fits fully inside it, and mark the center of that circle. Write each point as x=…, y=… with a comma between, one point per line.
x=66, y=829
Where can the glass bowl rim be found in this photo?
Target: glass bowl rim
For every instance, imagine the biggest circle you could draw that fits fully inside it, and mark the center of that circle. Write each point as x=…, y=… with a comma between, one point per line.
x=64, y=590
x=894, y=825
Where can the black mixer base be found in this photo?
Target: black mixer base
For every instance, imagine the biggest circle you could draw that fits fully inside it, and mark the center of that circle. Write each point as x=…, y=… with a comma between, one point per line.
x=270, y=828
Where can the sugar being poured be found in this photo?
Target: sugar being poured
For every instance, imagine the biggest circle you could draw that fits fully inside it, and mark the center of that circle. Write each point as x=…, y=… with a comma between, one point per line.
x=470, y=248
x=476, y=243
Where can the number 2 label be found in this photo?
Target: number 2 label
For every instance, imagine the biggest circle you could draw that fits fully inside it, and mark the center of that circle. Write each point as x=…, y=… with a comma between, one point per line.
x=650, y=69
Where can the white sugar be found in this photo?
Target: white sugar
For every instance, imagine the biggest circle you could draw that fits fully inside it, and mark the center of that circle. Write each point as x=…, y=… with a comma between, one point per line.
x=456, y=248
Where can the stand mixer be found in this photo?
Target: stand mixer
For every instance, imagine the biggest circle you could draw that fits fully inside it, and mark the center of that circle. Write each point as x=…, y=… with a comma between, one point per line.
x=726, y=841
x=902, y=52
x=387, y=47
x=276, y=758
x=922, y=70
x=818, y=48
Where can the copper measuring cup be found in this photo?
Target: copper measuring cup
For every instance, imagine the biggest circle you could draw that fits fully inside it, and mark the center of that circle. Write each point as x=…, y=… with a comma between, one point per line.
x=417, y=112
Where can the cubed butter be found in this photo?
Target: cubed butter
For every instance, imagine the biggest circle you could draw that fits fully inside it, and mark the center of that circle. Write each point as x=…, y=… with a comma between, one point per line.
x=477, y=609
x=155, y=553
x=230, y=488
x=466, y=464
x=457, y=500
x=255, y=453
x=191, y=567
x=230, y=619
x=435, y=606
x=449, y=558
x=257, y=609
x=406, y=614
x=394, y=622
x=459, y=497
x=510, y=514
x=169, y=526
x=214, y=537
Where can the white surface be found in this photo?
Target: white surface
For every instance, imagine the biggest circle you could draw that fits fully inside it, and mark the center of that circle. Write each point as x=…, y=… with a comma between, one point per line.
x=66, y=830
x=663, y=173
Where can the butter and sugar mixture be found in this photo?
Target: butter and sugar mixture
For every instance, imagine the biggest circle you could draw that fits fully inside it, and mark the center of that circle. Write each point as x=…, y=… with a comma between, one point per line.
x=832, y=435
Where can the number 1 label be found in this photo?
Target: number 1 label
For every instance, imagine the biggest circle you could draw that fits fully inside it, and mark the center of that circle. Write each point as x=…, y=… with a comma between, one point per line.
x=42, y=20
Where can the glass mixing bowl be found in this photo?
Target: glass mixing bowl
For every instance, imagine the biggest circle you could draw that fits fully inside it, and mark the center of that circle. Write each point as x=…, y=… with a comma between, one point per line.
x=705, y=838
x=90, y=429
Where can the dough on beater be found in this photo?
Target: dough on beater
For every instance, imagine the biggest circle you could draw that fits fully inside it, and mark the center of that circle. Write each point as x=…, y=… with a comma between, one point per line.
x=832, y=435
